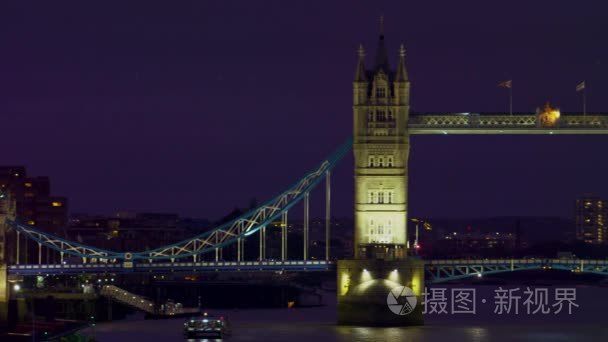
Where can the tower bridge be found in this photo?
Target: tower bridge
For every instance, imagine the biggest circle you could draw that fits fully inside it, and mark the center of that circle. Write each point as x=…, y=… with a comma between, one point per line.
x=382, y=126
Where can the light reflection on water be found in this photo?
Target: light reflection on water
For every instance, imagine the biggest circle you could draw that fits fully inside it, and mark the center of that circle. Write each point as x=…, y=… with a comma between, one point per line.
x=477, y=334
x=365, y=334
x=317, y=325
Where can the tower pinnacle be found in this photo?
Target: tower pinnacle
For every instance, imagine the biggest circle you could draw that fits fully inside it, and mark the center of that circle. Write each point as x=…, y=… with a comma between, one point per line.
x=381, y=55
x=360, y=73
x=401, y=70
x=361, y=51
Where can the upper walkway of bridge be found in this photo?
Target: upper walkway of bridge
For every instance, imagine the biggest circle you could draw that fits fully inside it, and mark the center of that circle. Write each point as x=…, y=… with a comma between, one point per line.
x=505, y=123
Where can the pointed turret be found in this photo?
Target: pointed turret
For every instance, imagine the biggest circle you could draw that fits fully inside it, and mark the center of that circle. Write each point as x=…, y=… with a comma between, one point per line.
x=360, y=73
x=401, y=70
x=381, y=55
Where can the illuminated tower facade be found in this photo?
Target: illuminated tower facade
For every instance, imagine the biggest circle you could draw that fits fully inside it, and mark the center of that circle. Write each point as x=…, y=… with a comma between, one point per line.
x=381, y=105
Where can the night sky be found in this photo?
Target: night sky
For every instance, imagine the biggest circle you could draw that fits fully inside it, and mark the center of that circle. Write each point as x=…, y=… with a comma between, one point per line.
x=196, y=107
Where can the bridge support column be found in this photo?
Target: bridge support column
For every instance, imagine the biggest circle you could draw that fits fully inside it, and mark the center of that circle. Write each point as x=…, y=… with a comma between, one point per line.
x=284, y=236
x=39, y=253
x=17, y=256
x=306, y=223
x=194, y=249
x=217, y=252
x=243, y=249
x=238, y=249
x=262, y=237
x=327, y=213
x=366, y=286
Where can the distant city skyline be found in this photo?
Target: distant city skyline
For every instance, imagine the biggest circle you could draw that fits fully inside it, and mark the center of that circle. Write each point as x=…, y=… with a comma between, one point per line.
x=204, y=112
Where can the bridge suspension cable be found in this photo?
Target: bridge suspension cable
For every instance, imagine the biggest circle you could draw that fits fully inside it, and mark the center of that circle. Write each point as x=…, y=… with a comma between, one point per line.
x=253, y=221
x=235, y=231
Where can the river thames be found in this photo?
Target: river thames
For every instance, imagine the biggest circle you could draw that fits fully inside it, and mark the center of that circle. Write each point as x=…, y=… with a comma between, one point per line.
x=586, y=323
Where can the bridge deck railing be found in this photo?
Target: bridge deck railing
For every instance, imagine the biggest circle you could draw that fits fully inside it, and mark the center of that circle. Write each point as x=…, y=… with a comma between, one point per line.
x=484, y=121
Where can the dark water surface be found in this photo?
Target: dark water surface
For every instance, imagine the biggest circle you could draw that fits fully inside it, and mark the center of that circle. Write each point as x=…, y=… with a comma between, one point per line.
x=586, y=323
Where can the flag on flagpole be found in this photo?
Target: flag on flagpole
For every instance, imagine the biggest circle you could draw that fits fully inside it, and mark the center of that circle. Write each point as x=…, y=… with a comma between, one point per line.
x=580, y=86
x=506, y=84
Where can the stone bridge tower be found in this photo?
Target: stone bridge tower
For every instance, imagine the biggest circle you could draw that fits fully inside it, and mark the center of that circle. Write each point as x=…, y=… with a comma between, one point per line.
x=369, y=285
x=381, y=105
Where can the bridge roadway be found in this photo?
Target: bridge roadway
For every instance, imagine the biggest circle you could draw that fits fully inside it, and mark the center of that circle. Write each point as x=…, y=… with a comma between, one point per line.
x=437, y=271
x=211, y=266
x=494, y=123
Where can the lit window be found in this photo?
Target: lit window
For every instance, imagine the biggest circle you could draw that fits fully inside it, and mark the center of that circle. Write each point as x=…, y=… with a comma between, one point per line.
x=380, y=132
x=56, y=204
x=31, y=222
x=27, y=184
x=380, y=116
x=380, y=92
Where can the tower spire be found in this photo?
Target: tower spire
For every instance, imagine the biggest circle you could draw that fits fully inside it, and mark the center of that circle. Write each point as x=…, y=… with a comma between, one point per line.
x=360, y=73
x=381, y=55
x=401, y=70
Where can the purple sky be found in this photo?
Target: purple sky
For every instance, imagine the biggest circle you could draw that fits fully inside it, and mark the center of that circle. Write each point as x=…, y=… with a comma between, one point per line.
x=195, y=108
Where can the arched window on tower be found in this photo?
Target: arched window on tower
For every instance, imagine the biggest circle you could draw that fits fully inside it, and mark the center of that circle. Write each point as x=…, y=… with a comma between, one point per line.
x=390, y=197
x=370, y=198
x=380, y=161
x=380, y=197
x=389, y=161
x=371, y=161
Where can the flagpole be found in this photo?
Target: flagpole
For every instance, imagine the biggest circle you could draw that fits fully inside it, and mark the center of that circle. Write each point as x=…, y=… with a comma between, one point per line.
x=585, y=101
x=511, y=100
